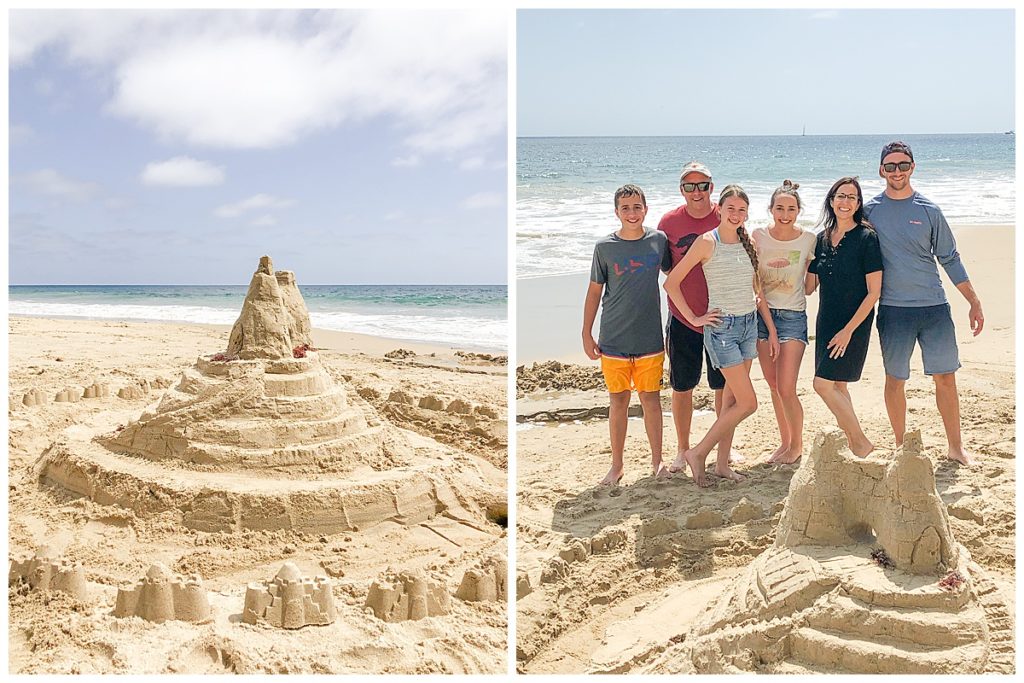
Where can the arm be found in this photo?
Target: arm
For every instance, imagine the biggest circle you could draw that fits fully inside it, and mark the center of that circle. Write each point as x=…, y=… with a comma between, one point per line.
x=841, y=339
x=773, y=334
x=699, y=252
x=975, y=315
x=810, y=283
x=593, y=300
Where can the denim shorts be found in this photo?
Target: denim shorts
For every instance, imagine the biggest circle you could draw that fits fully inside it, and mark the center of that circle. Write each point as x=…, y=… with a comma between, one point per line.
x=732, y=341
x=901, y=327
x=789, y=325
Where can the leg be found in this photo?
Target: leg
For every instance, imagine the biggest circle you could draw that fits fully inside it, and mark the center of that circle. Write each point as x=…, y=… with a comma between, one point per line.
x=723, y=399
x=837, y=398
x=618, y=410
x=896, y=406
x=651, y=402
x=682, y=417
x=948, y=402
x=787, y=369
x=737, y=378
x=770, y=370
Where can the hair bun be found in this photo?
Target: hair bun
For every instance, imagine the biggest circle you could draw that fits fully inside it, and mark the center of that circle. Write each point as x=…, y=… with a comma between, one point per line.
x=788, y=184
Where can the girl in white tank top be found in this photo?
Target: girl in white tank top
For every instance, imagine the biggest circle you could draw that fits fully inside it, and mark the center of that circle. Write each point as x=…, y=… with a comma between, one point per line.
x=730, y=329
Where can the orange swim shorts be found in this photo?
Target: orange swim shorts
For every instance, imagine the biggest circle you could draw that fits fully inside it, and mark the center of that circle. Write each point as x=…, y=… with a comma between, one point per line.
x=642, y=373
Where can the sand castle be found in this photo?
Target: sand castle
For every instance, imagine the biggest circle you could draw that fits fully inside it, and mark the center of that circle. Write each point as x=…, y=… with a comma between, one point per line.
x=860, y=579
x=290, y=600
x=487, y=581
x=161, y=596
x=45, y=570
x=260, y=436
x=407, y=595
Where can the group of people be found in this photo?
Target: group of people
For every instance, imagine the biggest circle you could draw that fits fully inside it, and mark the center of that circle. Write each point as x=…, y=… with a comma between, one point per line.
x=735, y=295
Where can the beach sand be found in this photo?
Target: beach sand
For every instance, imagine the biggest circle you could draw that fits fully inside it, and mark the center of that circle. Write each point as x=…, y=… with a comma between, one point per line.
x=616, y=580
x=51, y=632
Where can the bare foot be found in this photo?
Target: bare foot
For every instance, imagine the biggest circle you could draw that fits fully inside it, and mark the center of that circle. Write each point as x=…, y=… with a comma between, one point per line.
x=696, y=469
x=960, y=455
x=781, y=451
x=789, y=456
x=861, y=448
x=679, y=464
x=662, y=472
x=613, y=477
x=728, y=473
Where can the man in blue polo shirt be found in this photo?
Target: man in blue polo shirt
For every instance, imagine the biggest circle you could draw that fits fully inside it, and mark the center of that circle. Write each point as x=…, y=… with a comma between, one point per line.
x=913, y=235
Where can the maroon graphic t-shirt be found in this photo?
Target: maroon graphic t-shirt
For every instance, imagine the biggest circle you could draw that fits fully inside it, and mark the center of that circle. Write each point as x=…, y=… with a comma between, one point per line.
x=682, y=230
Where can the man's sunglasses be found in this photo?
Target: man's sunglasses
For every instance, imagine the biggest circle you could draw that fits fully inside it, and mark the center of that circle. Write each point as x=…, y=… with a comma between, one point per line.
x=890, y=167
x=690, y=187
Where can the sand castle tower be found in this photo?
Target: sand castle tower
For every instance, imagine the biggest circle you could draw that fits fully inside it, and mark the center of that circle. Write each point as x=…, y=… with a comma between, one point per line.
x=408, y=595
x=45, y=570
x=290, y=600
x=161, y=596
x=485, y=582
x=259, y=436
x=864, y=577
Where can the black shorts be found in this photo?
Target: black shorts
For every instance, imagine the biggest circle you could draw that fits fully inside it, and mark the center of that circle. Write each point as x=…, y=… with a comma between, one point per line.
x=685, y=354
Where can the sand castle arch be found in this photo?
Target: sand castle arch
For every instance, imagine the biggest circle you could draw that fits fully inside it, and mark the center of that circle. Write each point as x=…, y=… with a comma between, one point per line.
x=892, y=504
x=260, y=436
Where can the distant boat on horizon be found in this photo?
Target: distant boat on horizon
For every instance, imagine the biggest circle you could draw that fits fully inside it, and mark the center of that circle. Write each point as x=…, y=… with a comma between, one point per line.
x=1009, y=132
x=804, y=131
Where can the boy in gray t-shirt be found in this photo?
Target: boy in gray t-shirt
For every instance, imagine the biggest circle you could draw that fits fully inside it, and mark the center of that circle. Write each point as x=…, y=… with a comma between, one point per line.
x=631, y=347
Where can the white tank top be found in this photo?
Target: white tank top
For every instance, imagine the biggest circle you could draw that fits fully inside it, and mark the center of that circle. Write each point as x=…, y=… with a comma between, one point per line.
x=730, y=278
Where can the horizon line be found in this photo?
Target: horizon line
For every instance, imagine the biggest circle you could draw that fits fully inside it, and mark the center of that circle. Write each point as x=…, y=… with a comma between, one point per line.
x=753, y=135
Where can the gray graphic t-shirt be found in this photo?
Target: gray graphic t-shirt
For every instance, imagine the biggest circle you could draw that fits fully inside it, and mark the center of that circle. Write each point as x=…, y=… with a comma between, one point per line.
x=631, y=305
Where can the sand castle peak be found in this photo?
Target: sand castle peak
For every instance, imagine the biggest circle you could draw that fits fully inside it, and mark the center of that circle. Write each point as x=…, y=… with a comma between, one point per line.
x=839, y=499
x=274, y=319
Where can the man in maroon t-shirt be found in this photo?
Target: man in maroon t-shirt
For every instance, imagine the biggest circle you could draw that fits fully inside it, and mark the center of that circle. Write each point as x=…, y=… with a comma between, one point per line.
x=684, y=342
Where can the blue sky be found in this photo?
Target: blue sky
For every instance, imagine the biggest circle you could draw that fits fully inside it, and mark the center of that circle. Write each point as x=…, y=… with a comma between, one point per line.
x=174, y=147
x=763, y=72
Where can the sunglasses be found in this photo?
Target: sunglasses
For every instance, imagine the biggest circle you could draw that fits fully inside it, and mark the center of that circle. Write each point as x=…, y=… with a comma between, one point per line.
x=690, y=187
x=903, y=166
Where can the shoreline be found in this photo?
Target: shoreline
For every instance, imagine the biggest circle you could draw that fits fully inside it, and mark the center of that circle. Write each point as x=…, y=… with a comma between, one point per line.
x=333, y=340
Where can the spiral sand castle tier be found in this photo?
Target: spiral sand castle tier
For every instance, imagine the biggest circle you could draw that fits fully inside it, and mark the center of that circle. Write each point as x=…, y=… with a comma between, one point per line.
x=261, y=437
x=864, y=577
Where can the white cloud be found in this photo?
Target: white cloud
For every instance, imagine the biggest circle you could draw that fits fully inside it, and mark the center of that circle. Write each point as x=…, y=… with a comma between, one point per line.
x=406, y=162
x=49, y=182
x=264, y=221
x=253, y=79
x=483, y=200
x=182, y=171
x=20, y=134
x=257, y=201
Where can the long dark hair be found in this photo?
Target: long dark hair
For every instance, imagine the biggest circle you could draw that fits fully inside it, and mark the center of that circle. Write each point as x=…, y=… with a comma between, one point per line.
x=828, y=214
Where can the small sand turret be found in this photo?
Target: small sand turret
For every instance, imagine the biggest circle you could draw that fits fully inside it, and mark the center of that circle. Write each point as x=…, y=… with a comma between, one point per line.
x=487, y=581
x=409, y=595
x=162, y=596
x=45, y=570
x=290, y=600
x=274, y=319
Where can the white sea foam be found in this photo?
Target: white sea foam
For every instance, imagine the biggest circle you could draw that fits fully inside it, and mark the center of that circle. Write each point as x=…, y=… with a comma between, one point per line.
x=461, y=331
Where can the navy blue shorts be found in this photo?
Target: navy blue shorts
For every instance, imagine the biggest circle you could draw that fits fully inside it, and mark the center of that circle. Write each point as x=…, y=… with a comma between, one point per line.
x=901, y=327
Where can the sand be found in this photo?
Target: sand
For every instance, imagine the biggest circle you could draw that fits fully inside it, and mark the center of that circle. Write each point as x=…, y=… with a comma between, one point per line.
x=423, y=404
x=660, y=576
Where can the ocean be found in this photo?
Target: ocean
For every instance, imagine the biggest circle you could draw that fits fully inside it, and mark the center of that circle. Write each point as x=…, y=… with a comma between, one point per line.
x=564, y=186
x=466, y=316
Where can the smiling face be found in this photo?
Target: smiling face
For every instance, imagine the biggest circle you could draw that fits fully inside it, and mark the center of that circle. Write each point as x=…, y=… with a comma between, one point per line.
x=845, y=202
x=631, y=210
x=698, y=201
x=734, y=211
x=785, y=210
x=896, y=180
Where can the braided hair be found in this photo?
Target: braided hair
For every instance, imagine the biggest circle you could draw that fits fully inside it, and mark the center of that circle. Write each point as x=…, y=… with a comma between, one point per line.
x=741, y=232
